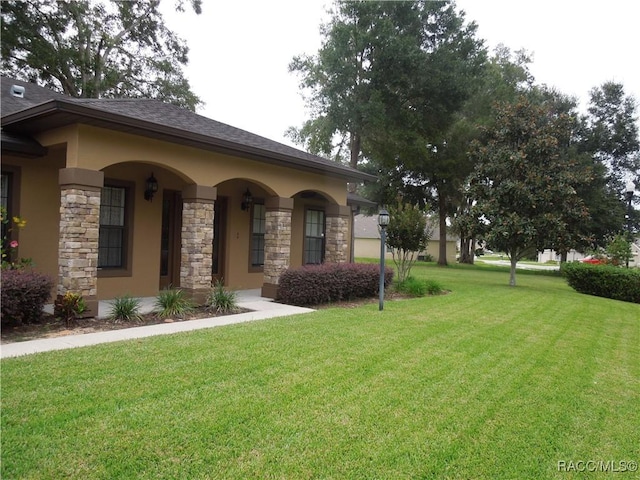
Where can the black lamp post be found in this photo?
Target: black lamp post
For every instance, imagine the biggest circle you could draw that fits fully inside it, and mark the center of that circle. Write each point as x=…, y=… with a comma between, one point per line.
x=629, y=195
x=383, y=221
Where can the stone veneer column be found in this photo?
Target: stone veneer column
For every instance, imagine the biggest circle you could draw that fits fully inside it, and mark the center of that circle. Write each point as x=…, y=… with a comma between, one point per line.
x=336, y=234
x=197, y=240
x=277, y=242
x=80, y=191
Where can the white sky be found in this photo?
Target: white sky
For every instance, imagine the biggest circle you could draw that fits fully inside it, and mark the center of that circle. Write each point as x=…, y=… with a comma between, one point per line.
x=240, y=50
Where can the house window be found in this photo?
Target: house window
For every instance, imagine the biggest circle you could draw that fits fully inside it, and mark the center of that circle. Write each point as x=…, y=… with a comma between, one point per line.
x=113, y=228
x=258, y=220
x=314, y=237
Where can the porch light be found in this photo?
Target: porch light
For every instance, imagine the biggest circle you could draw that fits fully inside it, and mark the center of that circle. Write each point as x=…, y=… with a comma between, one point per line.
x=383, y=222
x=151, y=188
x=247, y=199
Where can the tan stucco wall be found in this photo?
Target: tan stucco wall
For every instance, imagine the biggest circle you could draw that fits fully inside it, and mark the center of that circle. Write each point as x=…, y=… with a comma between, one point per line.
x=370, y=248
x=132, y=159
x=39, y=205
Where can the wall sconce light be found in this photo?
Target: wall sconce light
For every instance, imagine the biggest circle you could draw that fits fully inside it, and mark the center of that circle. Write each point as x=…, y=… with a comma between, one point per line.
x=246, y=200
x=150, y=188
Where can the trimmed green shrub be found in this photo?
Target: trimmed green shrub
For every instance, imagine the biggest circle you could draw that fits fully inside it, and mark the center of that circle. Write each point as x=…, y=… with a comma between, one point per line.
x=604, y=281
x=330, y=282
x=419, y=288
x=23, y=295
x=125, y=309
x=173, y=302
x=221, y=300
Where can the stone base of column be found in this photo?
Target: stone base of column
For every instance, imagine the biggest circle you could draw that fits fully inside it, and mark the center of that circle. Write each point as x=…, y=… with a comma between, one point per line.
x=197, y=296
x=92, y=307
x=270, y=290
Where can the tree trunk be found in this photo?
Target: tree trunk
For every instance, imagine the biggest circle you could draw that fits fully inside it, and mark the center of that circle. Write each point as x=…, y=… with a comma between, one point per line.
x=355, y=144
x=442, y=218
x=512, y=276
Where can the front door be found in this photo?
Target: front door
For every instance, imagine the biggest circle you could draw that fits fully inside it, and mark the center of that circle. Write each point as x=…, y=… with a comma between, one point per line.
x=170, y=239
x=219, y=232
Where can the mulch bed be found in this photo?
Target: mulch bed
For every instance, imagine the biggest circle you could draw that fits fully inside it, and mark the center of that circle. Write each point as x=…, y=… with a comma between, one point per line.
x=50, y=327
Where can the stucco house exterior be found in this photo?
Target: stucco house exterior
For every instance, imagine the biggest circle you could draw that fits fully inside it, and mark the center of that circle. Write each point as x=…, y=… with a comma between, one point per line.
x=367, y=239
x=128, y=196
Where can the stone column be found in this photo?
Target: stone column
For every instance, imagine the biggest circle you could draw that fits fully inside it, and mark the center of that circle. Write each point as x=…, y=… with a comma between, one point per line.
x=277, y=242
x=336, y=234
x=79, y=230
x=197, y=240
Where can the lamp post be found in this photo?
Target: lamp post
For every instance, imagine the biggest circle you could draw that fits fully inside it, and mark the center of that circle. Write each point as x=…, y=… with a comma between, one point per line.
x=629, y=194
x=383, y=221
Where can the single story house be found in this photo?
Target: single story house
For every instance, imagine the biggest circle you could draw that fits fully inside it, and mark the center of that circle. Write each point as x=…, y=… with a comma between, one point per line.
x=129, y=196
x=367, y=239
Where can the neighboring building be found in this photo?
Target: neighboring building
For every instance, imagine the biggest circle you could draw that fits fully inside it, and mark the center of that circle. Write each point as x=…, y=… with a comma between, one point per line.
x=550, y=255
x=367, y=240
x=128, y=196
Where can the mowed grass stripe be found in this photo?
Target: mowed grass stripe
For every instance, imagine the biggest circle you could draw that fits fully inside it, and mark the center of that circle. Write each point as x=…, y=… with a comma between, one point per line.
x=486, y=382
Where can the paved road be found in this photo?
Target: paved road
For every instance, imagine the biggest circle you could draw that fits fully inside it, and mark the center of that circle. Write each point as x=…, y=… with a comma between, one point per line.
x=524, y=266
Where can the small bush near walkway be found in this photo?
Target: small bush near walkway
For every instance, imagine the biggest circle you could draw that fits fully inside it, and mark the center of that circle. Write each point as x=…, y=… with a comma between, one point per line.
x=330, y=282
x=604, y=281
x=24, y=294
x=419, y=288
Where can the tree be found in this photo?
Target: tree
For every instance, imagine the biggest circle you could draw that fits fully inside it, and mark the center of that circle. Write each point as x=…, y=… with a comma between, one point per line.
x=523, y=183
x=611, y=133
x=407, y=235
x=342, y=81
x=96, y=50
x=504, y=77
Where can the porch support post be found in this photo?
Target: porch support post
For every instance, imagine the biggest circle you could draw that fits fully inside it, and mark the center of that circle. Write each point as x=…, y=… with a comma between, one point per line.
x=337, y=234
x=277, y=242
x=80, y=191
x=197, y=240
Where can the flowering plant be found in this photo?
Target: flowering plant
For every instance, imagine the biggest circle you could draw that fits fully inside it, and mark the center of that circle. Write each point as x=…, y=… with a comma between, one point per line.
x=8, y=248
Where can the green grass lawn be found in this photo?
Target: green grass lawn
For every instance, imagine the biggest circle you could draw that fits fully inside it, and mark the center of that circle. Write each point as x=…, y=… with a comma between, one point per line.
x=487, y=382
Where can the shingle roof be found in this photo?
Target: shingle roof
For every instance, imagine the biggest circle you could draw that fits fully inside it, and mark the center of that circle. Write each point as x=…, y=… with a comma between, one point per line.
x=42, y=108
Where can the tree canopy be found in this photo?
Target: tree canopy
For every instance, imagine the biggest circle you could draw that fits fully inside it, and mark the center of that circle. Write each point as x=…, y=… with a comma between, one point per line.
x=524, y=181
x=96, y=49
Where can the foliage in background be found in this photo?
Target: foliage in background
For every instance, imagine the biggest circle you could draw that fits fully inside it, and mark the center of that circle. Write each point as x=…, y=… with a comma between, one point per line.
x=330, y=282
x=125, y=309
x=24, y=294
x=69, y=307
x=221, y=300
x=604, y=281
x=407, y=235
x=173, y=302
x=96, y=49
x=619, y=250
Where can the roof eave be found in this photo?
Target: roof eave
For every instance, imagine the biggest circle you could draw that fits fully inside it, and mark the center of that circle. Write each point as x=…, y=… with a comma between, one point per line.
x=175, y=135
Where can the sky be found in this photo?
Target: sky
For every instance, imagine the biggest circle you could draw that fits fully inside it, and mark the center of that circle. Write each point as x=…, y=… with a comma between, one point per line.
x=240, y=51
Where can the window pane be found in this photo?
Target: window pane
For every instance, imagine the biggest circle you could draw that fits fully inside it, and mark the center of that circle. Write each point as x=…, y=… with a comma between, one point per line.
x=111, y=252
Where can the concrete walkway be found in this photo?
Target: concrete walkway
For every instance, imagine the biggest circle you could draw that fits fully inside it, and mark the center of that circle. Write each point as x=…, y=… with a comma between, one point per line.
x=261, y=307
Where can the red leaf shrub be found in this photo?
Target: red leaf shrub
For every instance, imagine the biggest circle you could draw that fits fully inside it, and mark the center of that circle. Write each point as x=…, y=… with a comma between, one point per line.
x=330, y=282
x=23, y=295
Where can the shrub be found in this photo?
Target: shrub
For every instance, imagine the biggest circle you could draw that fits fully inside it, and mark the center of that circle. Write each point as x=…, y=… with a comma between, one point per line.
x=68, y=307
x=604, y=281
x=24, y=293
x=419, y=288
x=221, y=300
x=330, y=282
x=173, y=302
x=125, y=309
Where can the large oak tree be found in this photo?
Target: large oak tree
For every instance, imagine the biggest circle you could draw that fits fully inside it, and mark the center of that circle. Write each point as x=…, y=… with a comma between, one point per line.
x=96, y=49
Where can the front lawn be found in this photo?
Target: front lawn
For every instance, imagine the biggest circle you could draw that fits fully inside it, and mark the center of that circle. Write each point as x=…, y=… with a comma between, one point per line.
x=487, y=382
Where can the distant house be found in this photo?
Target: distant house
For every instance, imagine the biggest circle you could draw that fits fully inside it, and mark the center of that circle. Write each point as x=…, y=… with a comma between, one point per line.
x=128, y=196
x=367, y=240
